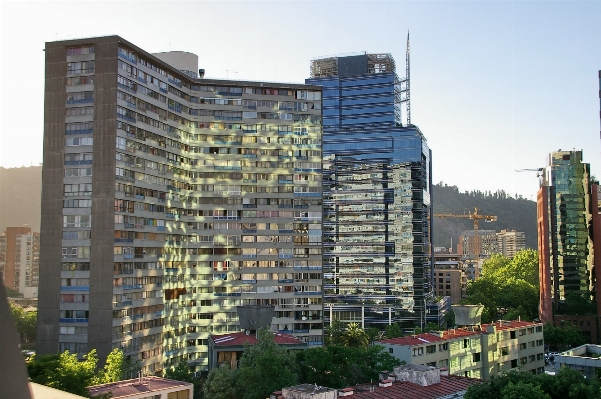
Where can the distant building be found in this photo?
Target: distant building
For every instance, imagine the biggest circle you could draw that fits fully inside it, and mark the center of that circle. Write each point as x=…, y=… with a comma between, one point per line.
x=477, y=243
x=450, y=277
x=145, y=388
x=20, y=260
x=475, y=352
x=569, y=234
x=510, y=242
x=585, y=358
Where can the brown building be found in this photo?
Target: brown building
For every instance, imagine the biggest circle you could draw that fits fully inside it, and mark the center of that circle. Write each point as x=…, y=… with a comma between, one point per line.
x=450, y=278
x=19, y=259
x=569, y=233
x=168, y=200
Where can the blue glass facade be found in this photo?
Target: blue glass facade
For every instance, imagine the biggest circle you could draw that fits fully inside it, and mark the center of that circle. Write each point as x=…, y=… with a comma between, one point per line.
x=377, y=204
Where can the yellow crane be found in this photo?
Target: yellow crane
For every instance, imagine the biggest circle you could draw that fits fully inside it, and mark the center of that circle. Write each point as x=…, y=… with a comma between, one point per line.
x=476, y=217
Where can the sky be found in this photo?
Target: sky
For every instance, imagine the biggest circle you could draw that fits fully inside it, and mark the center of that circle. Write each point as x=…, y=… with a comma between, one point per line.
x=495, y=85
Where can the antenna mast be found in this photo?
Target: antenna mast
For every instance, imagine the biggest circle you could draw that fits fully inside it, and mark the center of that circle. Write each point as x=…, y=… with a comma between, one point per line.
x=407, y=74
x=402, y=87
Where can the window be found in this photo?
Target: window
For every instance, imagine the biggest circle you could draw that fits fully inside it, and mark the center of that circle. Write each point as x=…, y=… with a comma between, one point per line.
x=80, y=80
x=418, y=351
x=80, y=67
x=77, y=141
x=80, y=50
x=76, y=111
x=466, y=343
x=80, y=97
x=431, y=349
x=504, y=351
x=443, y=347
x=476, y=357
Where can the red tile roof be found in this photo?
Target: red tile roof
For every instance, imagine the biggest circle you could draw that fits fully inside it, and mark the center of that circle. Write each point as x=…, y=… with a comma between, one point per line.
x=240, y=338
x=406, y=390
x=126, y=388
x=411, y=340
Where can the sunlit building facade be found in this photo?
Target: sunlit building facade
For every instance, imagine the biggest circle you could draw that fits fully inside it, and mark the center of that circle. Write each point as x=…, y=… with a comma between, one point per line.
x=168, y=200
x=569, y=234
x=377, y=194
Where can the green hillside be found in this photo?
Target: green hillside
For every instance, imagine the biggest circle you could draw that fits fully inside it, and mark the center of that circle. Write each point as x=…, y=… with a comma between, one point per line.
x=513, y=214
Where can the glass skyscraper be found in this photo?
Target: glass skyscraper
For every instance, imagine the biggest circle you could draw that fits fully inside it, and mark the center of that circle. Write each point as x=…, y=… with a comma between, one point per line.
x=568, y=234
x=377, y=196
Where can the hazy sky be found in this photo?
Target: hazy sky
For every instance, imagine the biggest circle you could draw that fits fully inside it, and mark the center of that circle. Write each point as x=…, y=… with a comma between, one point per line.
x=495, y=85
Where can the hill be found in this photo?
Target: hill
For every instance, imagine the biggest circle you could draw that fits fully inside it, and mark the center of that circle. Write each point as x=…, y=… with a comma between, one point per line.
x=20, y=197
x=513, y=213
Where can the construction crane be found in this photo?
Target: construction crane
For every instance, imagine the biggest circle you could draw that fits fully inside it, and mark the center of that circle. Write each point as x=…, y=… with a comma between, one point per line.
x=539, y=173
x=476, y=217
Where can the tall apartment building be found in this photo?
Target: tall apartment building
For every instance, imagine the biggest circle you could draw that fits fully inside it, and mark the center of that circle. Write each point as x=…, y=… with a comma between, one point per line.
x=377, y=195
x=510, y=242
x=19, y=260
x=569, y=234
x=168, y=200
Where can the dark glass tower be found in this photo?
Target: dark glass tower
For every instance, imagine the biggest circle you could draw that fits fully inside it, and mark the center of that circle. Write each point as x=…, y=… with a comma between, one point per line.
x=377, y=195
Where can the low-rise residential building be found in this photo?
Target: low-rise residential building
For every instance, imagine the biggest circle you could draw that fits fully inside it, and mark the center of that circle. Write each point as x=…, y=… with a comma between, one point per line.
x=228, y=348
x=478, y=352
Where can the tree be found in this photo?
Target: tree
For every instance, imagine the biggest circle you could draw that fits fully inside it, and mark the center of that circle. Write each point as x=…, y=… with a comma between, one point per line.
x=355, y=336
x=265, y=367
x=333, y=332
x=221, y=384
x=182, y=372
x=522, y=390
x=562, y=338
x=568, y=383
x=25, y=323
x=66, y=372
x=393, y=331
x=337, y=366
x=374, y=334
x=507, y=287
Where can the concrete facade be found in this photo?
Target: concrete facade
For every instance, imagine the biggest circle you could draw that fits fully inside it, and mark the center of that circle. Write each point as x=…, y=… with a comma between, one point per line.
x=585, y=358
x=510, y=242
x=168, y=201
x=19, y=260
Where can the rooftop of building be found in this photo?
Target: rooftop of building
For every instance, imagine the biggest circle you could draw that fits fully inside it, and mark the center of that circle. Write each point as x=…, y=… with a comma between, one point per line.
x=136, y=386
x=448, y=385
x=410, y=340
x=241, y=338
x=420, y=339
x=172, y=69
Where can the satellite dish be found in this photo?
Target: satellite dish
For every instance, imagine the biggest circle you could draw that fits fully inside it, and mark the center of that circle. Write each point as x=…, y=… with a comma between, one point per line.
x=247, y=332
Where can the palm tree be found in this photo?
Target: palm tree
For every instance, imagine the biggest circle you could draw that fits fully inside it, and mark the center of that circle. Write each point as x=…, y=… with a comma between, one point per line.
x=355, y=336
